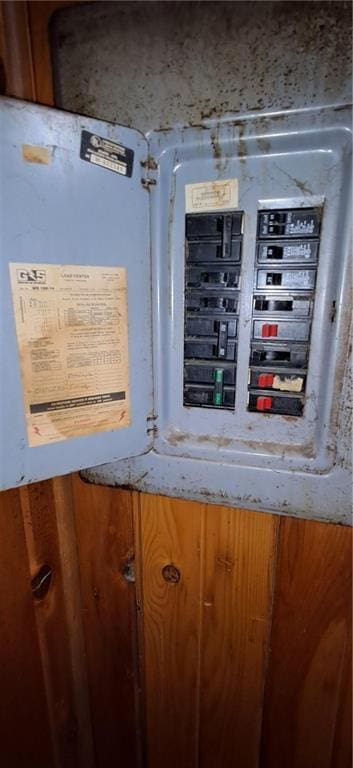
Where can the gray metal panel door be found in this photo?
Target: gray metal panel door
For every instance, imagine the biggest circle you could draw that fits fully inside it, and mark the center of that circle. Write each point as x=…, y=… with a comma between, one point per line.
x=55, y=208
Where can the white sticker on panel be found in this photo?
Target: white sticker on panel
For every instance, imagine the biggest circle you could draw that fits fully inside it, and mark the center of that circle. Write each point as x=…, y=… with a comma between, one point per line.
x=71, y=325
x=211, y=196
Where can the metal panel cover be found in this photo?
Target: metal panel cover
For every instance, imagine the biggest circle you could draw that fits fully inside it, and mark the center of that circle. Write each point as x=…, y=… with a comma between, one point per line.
x=55, y=208
x=238, y=457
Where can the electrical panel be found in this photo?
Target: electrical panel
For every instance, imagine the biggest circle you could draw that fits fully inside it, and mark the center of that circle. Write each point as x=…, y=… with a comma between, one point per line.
x=287, y=252
x=212, y=286
x=230, y=242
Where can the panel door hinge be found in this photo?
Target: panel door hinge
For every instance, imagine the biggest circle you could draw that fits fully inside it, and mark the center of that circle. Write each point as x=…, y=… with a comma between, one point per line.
x=147, y=183
x=152, y=428
x=150, y=166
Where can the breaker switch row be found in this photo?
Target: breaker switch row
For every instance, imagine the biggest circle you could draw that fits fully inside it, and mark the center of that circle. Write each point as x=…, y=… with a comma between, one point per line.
x=290, y=279
x=296, y=304
x=289, y=251
x=282, y=405
x=283, y=380
x=279, y=355
x=300, y=222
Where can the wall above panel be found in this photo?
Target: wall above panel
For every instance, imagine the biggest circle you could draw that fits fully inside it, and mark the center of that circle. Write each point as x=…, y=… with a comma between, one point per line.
x=152, y=64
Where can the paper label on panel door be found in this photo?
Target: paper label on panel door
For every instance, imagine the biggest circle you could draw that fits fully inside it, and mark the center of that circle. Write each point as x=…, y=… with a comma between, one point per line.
x=211, y=196
x=72, y=334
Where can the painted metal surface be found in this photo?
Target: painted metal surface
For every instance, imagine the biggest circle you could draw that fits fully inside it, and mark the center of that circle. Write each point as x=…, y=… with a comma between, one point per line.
x=152, y=64
x=67, y=211
x=278, y=463
x=294, y=493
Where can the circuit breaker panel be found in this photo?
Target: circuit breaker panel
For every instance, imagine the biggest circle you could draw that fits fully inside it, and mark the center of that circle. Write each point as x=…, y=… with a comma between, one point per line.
x=212, y=284
x=237, y=266
x=250, y=314
x=287, y=253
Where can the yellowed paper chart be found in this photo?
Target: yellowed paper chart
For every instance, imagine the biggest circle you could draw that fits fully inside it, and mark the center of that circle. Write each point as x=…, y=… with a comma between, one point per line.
x=71, y=325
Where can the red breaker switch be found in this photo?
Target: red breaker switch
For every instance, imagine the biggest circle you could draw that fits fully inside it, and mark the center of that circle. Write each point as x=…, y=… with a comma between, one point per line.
x=265, y=380
x=269, y=330
x=264, y=403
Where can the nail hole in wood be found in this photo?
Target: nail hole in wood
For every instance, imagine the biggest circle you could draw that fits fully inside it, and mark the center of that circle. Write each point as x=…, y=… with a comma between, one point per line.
x=128, y=571
x=41, y=582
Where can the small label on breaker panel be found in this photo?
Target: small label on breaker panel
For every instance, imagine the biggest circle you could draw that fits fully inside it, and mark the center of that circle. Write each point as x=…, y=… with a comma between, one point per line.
x=211, y=196
x=106, y=153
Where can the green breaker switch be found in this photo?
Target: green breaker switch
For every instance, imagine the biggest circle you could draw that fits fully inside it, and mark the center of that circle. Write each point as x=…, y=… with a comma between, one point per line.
x=218, y=386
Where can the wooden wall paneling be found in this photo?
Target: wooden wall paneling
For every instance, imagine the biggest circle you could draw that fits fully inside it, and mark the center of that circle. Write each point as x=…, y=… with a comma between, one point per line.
x=104, y=529
x=342, y=745
x=139, y=640
x=49, y=530
x=171, y=535
x=239, y=565
x=310, y=637
x=16, y=50
x=40, y=14
x=74, y=637
x=25, y=737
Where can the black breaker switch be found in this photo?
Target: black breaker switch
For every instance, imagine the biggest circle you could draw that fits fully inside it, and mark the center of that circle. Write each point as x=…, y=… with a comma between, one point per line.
x=301, y=222
x=222, y=339
x=212, y=284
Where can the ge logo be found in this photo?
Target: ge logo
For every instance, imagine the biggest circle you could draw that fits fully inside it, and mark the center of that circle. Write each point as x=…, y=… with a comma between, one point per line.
x=95, y=140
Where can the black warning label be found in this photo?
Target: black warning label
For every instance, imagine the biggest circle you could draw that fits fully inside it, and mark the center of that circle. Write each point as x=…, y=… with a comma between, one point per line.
x=106, y=153
x=77, y=402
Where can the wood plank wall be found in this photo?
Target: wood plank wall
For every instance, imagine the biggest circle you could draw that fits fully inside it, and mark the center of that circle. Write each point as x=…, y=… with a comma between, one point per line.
x=247, y=654
x=231, y=648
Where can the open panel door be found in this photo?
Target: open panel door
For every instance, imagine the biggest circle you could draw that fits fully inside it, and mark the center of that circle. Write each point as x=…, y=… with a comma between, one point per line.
x=76, y=378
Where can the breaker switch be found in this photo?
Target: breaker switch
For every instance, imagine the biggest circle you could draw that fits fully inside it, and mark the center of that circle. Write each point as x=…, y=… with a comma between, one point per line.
x=222, y=339
x=264, y=403
x=265, y=380
x=302, y=222
x=218, y=386
x=227, y=237
x=269, y=330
